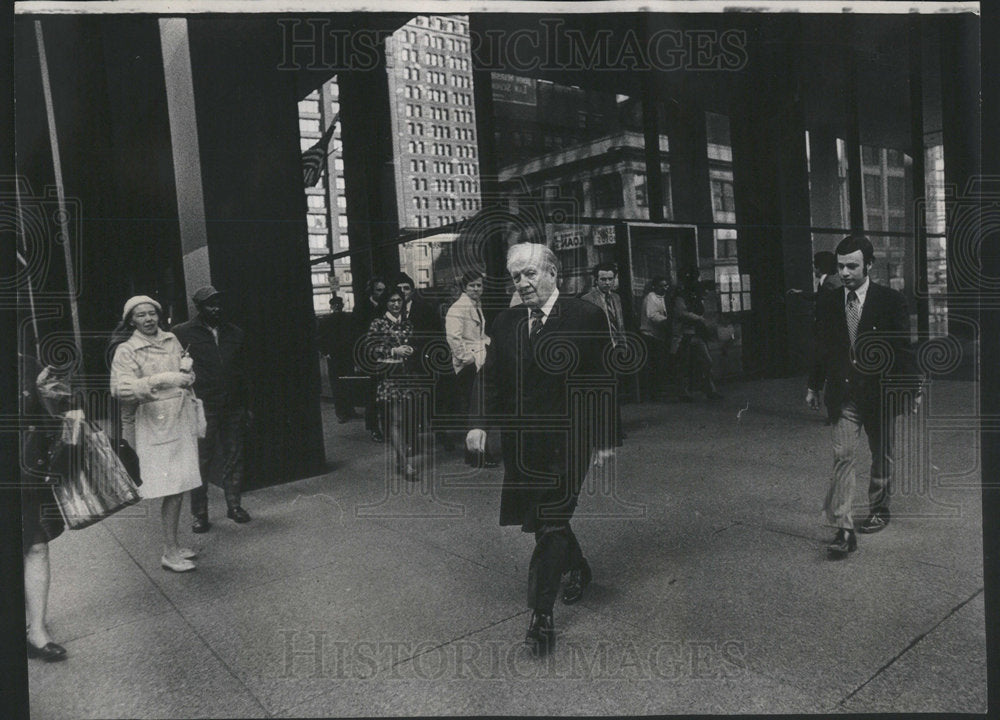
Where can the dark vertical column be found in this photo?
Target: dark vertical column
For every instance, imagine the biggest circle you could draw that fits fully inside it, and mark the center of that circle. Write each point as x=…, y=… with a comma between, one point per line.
x=915, y=38
x=247, y=123
x=961, y=118
x=369, y=171
x=789, y=145
x=489, y=188
x=853, y=139
x=651, y=136
x=772, y=202
x=989, y=388
x=692, y=193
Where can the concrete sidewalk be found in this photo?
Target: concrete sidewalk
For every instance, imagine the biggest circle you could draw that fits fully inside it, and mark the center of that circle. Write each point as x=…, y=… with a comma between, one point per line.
x=350, y=595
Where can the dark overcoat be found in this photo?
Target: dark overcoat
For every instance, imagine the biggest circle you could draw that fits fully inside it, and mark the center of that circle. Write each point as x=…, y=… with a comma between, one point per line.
x=553, y=402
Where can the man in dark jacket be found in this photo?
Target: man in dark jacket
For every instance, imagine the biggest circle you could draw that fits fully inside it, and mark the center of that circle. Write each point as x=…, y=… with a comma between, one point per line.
x=849, y=323
x=548, y=390
x=217, y=349
x=336, y=337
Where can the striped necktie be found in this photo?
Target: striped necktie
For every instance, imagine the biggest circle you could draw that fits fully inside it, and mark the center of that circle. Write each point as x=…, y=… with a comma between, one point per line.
x=853, y=315
x=537, y=317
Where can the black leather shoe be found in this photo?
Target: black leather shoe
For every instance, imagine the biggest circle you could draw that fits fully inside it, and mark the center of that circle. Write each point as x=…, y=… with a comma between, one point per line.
x=846, y=541
x=577, y=583
x=200, y=524
x=377, y=436
x=50, y=652
x=874, y=522
x=541, y=636
x=238, y=514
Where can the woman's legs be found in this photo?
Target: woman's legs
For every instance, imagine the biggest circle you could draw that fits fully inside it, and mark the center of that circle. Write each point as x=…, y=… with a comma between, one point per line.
x=170, y=513
x=36, y=593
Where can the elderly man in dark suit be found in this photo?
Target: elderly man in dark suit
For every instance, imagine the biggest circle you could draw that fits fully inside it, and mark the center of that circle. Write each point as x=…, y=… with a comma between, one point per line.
x=862, y=312
x=547, y=388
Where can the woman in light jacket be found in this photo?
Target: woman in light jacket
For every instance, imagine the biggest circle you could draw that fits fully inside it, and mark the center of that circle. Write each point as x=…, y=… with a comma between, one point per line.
x=151, y=376
x=465, y=329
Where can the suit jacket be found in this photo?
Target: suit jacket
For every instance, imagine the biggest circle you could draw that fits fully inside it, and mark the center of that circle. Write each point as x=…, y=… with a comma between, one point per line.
x=466, y=333
x=536, y=396
x=856, y=373
x=612, y=306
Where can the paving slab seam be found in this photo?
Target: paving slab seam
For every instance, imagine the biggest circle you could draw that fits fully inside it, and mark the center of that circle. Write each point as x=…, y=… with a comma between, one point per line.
x=913, y=643
x=284, y=711
x=461, y=637
x=442, y=548
x=193, y=629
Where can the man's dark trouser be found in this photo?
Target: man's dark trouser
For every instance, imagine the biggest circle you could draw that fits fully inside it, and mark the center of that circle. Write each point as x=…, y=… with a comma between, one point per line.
x=220, y=455
x=656, y=365
x=338, y=389
x=371, y=407
x=556, y=551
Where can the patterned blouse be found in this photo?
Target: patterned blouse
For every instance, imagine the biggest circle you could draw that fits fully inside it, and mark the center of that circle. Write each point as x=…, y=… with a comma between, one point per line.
x=384, y=334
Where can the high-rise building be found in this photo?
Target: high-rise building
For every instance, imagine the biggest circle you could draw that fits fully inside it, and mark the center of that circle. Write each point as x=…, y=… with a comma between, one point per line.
x=429, y=68
x=326, y=205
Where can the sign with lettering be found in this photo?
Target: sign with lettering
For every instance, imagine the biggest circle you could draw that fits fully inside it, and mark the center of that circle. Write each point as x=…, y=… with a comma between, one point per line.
x=604, y=235
x=514, y=89
x=567, y=240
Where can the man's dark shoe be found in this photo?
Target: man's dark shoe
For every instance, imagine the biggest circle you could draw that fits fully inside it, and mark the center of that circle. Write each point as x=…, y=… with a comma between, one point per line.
x=874, y=522
x=846, y=541
x=377, y=436
x=541, y=636
x=577, y=583
x=238, y=514
x=200, y=524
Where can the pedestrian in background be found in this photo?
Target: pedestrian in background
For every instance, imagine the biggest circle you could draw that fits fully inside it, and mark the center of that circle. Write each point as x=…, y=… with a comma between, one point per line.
x=654, y=326
x=366, y=311
x=694, y=362
x=335, y=339
x=152, y=377
x=603, y=295
x=827, y=279
x=40, y=522
x=217, y=348
x=465, y=329
x=389, y=344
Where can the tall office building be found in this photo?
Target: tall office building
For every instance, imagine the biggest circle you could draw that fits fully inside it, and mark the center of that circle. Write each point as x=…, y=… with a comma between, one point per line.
x=326, y=205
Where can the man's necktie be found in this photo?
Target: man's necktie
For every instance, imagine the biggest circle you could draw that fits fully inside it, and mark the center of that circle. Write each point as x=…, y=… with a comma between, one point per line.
x=609, y=309
x=853, y=315
x=536, y=325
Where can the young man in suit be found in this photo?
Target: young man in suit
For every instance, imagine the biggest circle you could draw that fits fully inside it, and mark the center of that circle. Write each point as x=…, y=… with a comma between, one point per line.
x=543, y=355
x=847, y=321
x=603, y=295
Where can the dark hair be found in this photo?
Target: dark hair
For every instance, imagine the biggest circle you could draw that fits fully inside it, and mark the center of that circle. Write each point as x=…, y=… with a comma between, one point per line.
x=470, y=276
x=402, y=278
x=336, y=300
x=605, y=267
x=383, y=302
x=370, y=285
x=825, y=261
x=691, y=277
x=653, y=282
x=853, y=243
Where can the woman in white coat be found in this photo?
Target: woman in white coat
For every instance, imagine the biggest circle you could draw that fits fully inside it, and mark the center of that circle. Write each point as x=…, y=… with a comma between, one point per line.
x=465, y=329
x=151, y=376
